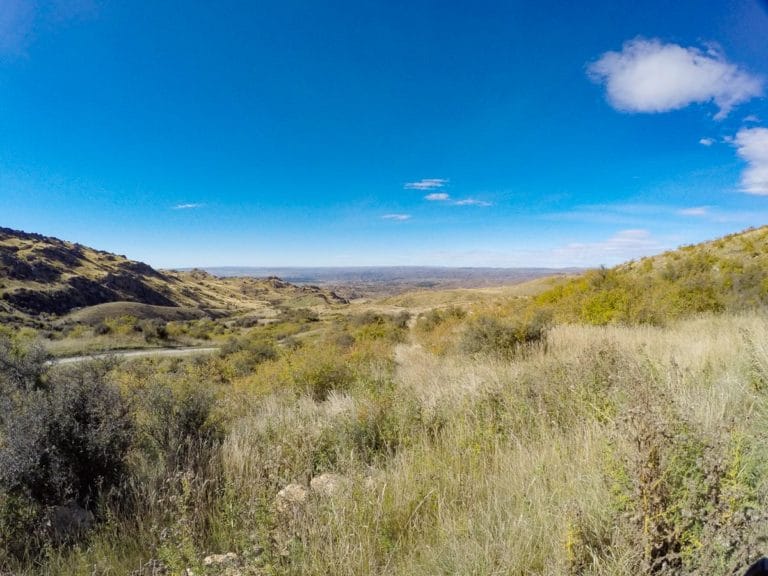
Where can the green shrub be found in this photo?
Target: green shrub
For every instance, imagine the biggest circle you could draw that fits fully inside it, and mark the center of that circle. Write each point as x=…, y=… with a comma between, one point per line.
x=428, y=321
x=321, y=377
x=63, y=445
x=153, y=330
x=174, y=421
x=486, y=335
x=374, y=326
x=243, y=355
x=299, y=315
x=21, y=367
x=68, y=442
x=100, y=329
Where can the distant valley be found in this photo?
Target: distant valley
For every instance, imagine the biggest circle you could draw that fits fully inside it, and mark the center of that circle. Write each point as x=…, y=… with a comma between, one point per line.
x=360, y=281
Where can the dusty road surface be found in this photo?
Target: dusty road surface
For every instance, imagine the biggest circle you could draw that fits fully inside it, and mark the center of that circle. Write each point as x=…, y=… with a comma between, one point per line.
x=136, y=354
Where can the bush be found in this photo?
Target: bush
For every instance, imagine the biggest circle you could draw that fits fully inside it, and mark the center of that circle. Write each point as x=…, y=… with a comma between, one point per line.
x=298, y=315
x=123, y=325
x=154, y=329
x=173, y=422
x=63, y=445
x=21, y=367
x=243, y=355
x=428, y=321
x=66, y=443
x=486, y=335
x=375, y=326
x=101, y=329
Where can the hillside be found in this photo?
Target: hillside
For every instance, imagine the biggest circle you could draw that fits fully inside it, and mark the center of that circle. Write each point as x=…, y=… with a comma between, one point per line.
x=40, y=275
x=726, y=274
x=485, y=431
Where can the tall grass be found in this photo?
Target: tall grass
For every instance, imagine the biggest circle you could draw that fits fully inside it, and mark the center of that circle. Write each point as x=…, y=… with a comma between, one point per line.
x=610, y=451
x=616, y=451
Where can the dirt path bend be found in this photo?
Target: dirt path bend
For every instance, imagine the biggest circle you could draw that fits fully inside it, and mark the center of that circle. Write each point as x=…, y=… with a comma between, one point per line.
x=144, y=352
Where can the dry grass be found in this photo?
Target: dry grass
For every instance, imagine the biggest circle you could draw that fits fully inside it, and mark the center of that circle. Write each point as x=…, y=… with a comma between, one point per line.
x=614, y=451
x=533, y=466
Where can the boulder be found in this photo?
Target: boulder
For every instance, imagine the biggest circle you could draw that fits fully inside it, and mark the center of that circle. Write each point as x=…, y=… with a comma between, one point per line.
x=327, y=484
x=290, y=497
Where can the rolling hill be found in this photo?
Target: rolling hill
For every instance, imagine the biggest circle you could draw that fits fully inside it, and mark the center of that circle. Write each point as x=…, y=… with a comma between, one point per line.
x=43, y=277
x=726, y=274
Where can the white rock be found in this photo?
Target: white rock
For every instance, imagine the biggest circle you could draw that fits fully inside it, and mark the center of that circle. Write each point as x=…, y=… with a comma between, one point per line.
x=290, y=496
x=327, y=484
x=218, y=559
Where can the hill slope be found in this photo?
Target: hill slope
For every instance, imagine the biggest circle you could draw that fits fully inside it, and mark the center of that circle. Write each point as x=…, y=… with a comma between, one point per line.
x=730, y=273
x=48, y=276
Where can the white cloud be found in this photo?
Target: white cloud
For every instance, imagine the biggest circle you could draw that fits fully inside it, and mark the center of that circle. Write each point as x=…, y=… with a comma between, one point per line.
x=751, y=118
x=189, y=206
x=398, y=217
x=695, y=211
x=650, y=76
x=436, y=197
x=707, y=141
x=752, y=145
x=472, y=202
x=426, y=184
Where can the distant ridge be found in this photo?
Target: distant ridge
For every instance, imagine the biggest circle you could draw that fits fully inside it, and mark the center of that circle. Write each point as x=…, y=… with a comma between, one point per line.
x=360, y=280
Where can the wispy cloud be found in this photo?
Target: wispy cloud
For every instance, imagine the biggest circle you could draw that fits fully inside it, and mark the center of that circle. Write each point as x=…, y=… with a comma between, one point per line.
x=397, y=217
x=650, y=76
x=707, y=141
x=443, y=197
x=426, y=184
x=752, y=145
x=472, y=202
x=189, y=206
x=695, y=211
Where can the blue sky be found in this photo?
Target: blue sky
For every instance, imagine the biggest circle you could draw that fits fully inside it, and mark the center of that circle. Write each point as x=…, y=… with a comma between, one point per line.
x=502, y=133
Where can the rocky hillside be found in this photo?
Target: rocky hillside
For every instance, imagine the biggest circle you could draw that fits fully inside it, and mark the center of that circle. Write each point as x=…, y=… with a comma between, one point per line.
x=727, y=274
x=41, y=276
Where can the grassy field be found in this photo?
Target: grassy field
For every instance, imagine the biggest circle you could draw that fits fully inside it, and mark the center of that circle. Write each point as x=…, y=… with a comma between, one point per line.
x=601, y=450
x=616, y=451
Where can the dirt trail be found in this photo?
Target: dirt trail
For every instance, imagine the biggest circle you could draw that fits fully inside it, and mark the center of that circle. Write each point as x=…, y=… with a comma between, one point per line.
x=136, y=354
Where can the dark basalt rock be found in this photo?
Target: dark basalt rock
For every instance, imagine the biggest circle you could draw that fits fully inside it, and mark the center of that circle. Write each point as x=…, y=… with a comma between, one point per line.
x=141, y=269
x=70, y=257
x=134, y=289
x=48, y=276
x=82, y=292
x=17, y=269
